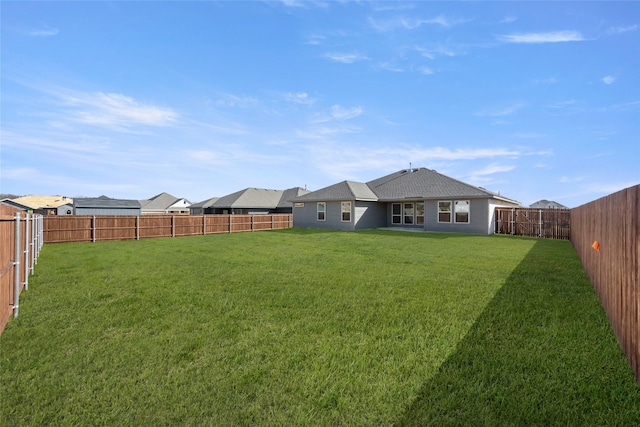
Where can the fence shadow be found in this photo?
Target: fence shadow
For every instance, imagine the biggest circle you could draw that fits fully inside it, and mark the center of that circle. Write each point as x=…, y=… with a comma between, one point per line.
x=541, y=353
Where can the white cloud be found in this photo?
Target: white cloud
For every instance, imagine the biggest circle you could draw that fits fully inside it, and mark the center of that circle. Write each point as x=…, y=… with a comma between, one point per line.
x=45, y=31
x=237, y=101
x=412, y=23
x=433, y=53
x=608, y=80
x=338, y=112
x=524, y=135
x=426, y=71
x=299, y=98
x=501, y=111
x=346, y=58
x=341, y=113
x=620, y=30
x=548, y=37
x=509, y=19
x=492, y=169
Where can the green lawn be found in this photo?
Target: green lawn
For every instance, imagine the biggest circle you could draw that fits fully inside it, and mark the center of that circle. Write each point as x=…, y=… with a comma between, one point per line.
x=308, y=327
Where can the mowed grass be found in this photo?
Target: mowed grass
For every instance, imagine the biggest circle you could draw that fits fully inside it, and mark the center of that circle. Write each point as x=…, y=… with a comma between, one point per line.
x=308, y=327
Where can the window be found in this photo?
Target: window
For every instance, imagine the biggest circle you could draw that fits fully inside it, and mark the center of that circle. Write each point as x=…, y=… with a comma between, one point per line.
x=396, y=213
x=420, y=213
x=322, y=207
x=461, y=210
x=346, y=211
x=444, y=211
x=408, y=213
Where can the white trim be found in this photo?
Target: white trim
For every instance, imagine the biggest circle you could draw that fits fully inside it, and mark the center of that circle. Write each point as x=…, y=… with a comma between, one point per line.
x=450, y=211
x=343, y=211
x=324, y=211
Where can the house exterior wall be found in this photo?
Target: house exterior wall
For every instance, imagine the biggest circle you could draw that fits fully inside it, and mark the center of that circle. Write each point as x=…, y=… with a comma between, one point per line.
x=64, y=210
x=364, y=216
x=478, y=223
x=106, y=211
x=369, y=215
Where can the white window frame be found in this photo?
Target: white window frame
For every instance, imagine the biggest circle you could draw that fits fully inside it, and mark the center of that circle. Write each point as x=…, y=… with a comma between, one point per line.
x=323, y=211
x=465, y=203
x=450, y=211
x=396, y=215
x=344, y=211
x=418, y=210
x=412, y=208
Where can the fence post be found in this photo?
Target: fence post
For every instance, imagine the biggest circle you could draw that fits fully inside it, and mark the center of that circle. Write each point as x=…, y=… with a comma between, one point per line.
x=93, y=229
x=204, y=224
x=173, y=226
x=252, y=222
x=540, y=213
x=34, y=241
x=137, y=227
x=16, y=268
x=230, y=221
x=26, y=252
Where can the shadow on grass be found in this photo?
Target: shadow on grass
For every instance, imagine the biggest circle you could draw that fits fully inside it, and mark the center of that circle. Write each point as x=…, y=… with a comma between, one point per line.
x=541, y=353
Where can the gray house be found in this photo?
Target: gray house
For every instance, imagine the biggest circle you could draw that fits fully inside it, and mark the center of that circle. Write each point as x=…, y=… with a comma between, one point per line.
x=547, y=204
x=104, y=205
x=421, y=199
x=165, y=203
x=204, y=207
x=257, y=201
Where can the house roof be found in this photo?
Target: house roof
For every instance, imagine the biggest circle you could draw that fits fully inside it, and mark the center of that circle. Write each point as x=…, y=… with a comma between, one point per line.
x=258, y=198
x=205, y=203
x=160, y=202
x=544, y=203
x=289, y=194
x=345, y=190
x=105, y=202
x=420, y=183
x=38, y=202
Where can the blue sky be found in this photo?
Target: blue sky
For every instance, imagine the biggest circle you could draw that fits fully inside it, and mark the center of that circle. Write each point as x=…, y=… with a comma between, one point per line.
x=200, y=99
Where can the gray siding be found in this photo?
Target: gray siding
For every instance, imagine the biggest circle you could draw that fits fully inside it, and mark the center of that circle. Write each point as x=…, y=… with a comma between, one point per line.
x=369, y=215
x=107, y=211
x=479, y=218
x=306, y=217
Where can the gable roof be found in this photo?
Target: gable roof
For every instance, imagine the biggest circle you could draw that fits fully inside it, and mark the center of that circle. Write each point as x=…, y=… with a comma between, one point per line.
x=544, y=203
x=345, y=190
x=37, y=202
x=105, y=202
x=205, y=203
x=258, y=198
x=289, y=194
x=420, y=183
x=160, y=202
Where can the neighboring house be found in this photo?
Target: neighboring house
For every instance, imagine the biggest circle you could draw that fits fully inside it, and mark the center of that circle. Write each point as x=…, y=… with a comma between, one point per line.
x=165, y=203
x=204, y=207
x=257, y=201
x=43, y=205
x=547, y=204
x=14, y=204
x=104, y=205
x=66, y=209
x=421, y=199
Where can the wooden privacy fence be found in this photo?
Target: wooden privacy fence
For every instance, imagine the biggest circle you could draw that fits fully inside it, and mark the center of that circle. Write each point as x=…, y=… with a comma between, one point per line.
x=606, y=236
x=62, y=229
x=20, y=244
x=545, y=223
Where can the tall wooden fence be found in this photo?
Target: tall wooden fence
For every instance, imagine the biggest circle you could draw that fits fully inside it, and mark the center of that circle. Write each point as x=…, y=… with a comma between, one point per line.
x=20, y=244
x=61, y=229
x=606, y=236
x=545, y=223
